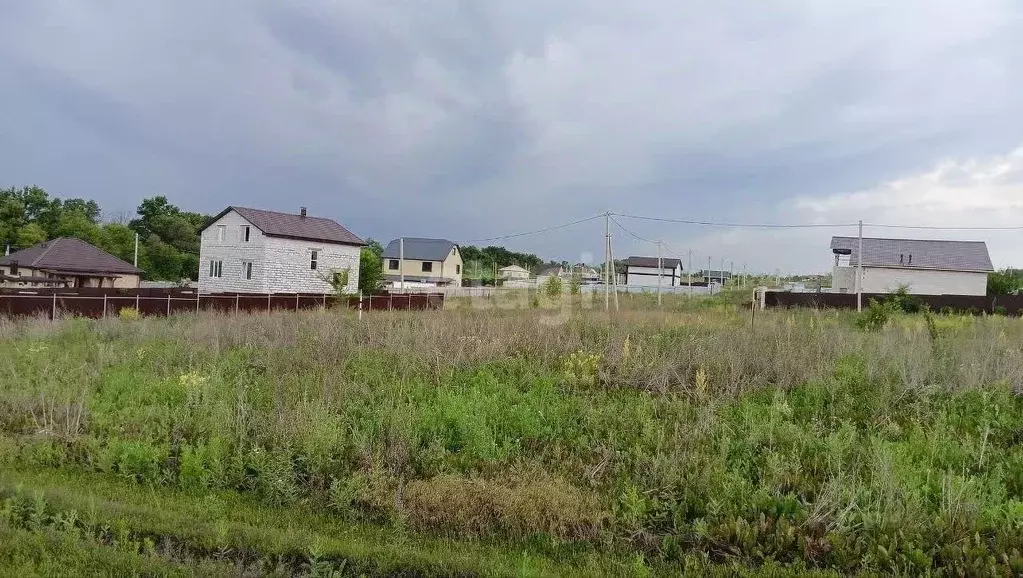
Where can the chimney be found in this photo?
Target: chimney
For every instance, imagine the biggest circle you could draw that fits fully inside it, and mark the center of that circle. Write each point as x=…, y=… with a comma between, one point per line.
x=302, y=213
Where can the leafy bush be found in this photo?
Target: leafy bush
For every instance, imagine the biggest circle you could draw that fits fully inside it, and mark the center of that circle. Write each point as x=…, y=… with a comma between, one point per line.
x=552, y=287
x=876, y=317
x=128, y=313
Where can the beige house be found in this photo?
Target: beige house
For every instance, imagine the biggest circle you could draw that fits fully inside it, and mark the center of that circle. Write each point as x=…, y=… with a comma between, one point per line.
x=423, y=262
x=66, y=262
x=513, y=273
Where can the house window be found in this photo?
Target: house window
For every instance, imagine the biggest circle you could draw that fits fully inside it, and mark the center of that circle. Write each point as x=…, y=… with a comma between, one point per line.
x=392, y=264
x=216, y=268
x=427, y=266
x=246, y=269
x=314, y=255
x=458, y=269
x=221, y=232
x=245, y=233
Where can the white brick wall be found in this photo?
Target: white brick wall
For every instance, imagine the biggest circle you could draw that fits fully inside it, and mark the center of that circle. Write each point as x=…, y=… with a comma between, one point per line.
x=918, y=281
x=278, y=265
x=647, y=276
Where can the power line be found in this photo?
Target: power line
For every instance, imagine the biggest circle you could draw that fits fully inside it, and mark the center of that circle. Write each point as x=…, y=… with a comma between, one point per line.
x=738, y=225
x=940, y=228
x=622, y=227
x=538, y=231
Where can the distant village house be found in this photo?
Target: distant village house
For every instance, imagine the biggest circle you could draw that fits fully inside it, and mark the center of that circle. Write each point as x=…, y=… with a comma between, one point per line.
x=644, y=272
x=423, y=262
x=66, y=262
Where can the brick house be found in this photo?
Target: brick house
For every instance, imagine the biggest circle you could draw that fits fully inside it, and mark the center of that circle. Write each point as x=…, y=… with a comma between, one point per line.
x=66, y=262
x=255, y=251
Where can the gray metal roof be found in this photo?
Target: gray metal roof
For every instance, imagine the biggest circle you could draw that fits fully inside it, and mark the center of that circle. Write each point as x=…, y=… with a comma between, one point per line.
x=69, y=255
x=651, y=262
x=916, y=253
x=420, y=249
x=292, y=226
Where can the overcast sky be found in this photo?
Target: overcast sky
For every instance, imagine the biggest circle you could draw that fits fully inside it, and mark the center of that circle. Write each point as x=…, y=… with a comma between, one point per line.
x=474, y=118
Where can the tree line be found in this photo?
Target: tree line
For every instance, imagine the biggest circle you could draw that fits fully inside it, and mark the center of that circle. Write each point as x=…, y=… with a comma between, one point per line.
x=168, y=247
x=168, y=237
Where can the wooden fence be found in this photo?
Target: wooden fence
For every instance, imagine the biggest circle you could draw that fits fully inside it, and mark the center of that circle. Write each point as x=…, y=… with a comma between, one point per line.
x=1004, y=304
x=98, y=303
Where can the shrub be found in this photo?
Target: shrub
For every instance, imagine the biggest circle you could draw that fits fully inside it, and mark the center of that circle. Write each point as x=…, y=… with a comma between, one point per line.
x=128, y=313
x=552, y=287
x=876, y=317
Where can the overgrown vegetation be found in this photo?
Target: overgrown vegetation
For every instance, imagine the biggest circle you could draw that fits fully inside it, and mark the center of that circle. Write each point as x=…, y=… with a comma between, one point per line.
x=525, y=441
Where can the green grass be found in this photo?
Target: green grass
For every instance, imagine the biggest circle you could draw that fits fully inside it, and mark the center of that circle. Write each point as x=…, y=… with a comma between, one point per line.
x=689, y=440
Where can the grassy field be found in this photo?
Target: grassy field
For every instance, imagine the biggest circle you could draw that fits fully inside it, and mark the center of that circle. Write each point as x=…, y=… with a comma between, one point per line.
x=691, y=440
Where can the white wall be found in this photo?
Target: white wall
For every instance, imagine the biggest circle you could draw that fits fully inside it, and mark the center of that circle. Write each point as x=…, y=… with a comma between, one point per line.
x=647, y=276
x=278, y=265
x=917, y=281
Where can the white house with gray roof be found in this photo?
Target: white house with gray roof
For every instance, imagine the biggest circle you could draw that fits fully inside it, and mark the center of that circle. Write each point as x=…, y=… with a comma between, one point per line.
x=923, y=267
x=424, y=262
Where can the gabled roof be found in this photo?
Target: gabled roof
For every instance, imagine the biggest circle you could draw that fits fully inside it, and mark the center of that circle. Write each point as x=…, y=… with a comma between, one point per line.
x=70, y=255
x=293, y=226
x=651, y=262
x=916, y=253
x=551, y=271
x=514, y=268
x=420, y=249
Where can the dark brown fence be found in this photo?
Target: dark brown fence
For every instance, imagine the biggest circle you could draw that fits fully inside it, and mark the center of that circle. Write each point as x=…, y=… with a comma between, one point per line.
x=1005, y=304
x=97, y=303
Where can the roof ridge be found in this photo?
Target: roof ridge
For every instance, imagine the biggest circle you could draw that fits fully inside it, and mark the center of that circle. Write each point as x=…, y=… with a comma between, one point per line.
x=855, y=238
x=49, y=247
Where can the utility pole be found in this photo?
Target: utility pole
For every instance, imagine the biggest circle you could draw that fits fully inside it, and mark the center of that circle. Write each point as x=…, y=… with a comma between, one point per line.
x=721, y=272
x=401, y=261
x=690, y=272
x=660, y=272
x=611, y=255
x=136, y=249
x=607, y=261
x=731, y=270
x=859, y=272
x=708, y=276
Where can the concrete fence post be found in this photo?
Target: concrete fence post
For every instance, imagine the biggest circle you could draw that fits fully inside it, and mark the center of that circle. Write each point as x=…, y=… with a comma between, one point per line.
x=197, y=301
x=53, y=310
x=296, y=302
x=137, y=310
x=268, y=303
x=168, y=304
x=104, y=306
x=236, y=304
x=360, y=304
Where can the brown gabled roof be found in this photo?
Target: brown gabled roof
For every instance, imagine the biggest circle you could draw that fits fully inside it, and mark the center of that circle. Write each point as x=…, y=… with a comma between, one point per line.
x=67, y=254
x=292, y=226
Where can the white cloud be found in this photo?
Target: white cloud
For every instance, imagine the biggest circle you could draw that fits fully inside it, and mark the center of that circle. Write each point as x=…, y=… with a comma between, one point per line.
x=975, y=192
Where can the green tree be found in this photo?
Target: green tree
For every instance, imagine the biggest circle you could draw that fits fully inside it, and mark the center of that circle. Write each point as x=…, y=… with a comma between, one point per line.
x=29, y=235
x=119, y=240
x=371, y=272
x=552, y=287
x=78, y=225
x=1005, y=282
x=375, y=246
